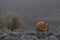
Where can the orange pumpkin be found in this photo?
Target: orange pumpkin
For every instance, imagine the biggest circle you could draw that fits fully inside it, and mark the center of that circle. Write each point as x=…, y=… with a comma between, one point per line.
x=42, y=26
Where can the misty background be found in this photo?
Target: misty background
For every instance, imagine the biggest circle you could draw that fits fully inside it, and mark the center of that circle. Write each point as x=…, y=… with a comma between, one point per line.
x=31, y=11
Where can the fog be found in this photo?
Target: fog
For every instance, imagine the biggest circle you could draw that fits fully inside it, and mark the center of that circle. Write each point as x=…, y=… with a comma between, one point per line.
x=32, y=11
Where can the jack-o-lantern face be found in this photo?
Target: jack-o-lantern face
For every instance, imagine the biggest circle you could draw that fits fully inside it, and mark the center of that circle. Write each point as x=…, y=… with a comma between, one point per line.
x=42, y=26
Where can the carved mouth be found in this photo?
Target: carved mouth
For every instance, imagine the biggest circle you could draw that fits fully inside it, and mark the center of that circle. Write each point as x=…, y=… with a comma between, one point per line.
x=44, y=29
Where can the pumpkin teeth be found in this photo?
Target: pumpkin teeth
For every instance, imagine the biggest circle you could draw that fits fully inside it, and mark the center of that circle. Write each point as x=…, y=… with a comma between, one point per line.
x=46, y=28
x=43, y=28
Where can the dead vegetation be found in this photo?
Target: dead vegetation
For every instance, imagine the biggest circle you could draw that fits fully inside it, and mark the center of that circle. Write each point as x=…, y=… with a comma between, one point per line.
x=13, y=23
x=10, y=23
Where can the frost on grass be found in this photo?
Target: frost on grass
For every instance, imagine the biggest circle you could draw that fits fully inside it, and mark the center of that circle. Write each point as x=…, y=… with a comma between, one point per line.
x=22, y=36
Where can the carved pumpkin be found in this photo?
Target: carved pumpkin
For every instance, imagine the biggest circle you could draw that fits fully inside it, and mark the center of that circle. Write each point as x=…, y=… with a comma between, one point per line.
x=42, y=26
